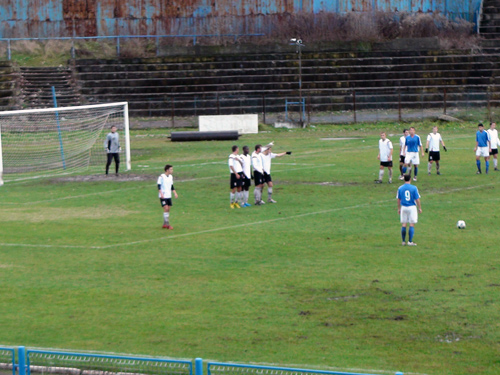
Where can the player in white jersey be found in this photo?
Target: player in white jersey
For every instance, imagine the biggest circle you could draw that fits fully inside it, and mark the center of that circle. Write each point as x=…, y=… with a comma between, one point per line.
x=494, y=142
x=402, y=143
x=246, y=158
x=432, y=147
x=267, y=155
x=165, y=190
x=385, y=157
x=258, y=174
x=236, y=181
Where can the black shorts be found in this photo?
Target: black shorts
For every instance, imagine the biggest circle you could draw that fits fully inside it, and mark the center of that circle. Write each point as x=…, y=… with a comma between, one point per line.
x=494, y=151
x=402, y=159
x=258, y=178
x=166, y=202
x=434, y=156
x=112, y=156
x=267, y=178
x=236, y=182
x=246, y=183
x=386, y=163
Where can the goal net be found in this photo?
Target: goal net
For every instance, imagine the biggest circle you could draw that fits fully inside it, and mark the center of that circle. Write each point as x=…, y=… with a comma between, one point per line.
x=50, y=141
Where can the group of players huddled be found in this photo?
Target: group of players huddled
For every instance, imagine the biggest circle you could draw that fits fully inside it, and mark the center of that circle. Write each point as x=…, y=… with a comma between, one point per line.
x=241, y=166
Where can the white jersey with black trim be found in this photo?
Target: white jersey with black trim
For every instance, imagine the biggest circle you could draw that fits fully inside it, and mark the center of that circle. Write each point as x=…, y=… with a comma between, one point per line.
x=234, y=161
x=434, y=140
x=402, y=144
x=257, y=162
x=266, y=162
x=247, y=165
x=166, y=183
x=385, y=147
x=494, y=141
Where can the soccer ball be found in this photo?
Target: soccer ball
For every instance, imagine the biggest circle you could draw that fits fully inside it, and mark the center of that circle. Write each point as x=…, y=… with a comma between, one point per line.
x=461, y=224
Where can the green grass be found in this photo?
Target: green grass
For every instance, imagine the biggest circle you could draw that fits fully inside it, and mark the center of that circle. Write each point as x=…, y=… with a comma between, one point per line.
x=318, y=280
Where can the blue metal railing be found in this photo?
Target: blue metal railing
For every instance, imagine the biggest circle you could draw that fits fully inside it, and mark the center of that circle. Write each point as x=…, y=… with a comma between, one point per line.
x=9, y=354
x=50, y=361
x=100, y=361
x=119, y=37
x=269, y=370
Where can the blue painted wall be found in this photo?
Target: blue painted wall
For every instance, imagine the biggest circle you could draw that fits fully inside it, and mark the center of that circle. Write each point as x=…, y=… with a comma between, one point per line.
x=51, y=18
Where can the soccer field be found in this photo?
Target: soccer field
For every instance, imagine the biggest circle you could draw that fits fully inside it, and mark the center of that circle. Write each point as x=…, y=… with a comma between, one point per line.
x=319, y=279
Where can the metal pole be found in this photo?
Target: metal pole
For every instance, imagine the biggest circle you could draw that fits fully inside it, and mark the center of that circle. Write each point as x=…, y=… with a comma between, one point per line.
x=21, y=360
x=300, y=86
x=309, y=109
x=58, y=127
x=118, y=46
x=198, y=366
x=9, y=53
x=73, y=41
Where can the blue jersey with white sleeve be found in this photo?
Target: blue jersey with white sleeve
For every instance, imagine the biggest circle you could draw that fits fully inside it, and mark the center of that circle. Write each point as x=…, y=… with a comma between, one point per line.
x=482, y=138
x=412, y=143
x=408, y=194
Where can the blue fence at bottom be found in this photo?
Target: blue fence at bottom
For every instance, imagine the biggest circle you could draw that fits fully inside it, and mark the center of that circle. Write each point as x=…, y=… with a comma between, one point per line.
x=8, y=356
x=32, y=361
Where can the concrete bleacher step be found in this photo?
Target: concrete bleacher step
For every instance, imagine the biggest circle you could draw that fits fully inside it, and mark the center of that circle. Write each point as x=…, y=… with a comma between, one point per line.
x=36, y=87
x=149, y=84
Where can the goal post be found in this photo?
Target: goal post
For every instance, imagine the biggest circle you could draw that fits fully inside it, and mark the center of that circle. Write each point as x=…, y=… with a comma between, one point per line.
x=51, y=141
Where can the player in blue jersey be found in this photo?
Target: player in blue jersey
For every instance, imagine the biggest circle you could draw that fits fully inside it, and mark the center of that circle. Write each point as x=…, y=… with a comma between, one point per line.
x=413, y=144
x=483, y=148
x=408, y=200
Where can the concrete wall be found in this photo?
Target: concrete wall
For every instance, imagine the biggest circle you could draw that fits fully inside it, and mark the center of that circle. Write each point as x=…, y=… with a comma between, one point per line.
x=51, y=18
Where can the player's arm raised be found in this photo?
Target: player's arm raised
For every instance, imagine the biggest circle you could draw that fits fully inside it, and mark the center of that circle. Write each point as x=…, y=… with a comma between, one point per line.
x=283, y=154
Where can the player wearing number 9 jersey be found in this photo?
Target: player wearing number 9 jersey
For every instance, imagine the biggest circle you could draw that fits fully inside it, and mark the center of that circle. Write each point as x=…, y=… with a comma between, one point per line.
x=408, y=200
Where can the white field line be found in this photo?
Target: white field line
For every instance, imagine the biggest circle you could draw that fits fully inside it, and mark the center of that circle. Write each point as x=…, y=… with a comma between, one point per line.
x=233, y=226
x=149, y=184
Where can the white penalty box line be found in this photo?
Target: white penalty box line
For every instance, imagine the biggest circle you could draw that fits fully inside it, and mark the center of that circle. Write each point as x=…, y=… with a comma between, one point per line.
x=321, y=212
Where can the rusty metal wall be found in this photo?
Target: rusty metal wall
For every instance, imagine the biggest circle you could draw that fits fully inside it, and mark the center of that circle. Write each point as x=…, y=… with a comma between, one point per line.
x=55, y=18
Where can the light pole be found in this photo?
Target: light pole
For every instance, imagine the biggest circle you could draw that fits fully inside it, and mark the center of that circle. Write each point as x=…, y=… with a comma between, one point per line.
x=298, y=49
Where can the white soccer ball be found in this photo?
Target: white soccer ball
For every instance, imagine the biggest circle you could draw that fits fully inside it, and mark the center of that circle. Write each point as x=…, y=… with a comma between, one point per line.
x=461, y=224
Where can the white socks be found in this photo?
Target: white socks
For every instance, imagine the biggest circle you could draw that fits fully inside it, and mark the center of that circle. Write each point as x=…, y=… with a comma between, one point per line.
x=166, y=217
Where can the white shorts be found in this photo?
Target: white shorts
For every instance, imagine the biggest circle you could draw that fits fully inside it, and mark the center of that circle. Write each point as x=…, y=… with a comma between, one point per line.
x=409, y=214
x=413, y=158
x=483, y=151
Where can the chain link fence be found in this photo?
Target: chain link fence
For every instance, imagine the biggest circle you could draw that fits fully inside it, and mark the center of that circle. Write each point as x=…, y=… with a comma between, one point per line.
x=353, y=106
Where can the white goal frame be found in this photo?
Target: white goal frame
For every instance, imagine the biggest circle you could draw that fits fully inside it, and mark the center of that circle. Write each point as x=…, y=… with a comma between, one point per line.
x=59, y=110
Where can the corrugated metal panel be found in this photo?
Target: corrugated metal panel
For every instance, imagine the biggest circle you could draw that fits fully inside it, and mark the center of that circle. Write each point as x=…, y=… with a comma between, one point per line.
x=50, y=18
